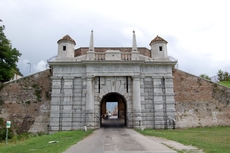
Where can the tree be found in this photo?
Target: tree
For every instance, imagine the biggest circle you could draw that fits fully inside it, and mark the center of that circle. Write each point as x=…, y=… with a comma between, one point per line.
x=205, y=76
x=223, y=76
x=226, y=76
x=220, y=75
x=8, y=58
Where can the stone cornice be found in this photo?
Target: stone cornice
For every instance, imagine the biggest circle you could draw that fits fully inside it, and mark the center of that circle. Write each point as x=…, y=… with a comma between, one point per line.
x=95, y=62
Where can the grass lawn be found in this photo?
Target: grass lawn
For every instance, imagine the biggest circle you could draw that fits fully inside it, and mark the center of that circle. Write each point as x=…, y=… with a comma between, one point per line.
x=40, y=144
x=209, y=139
x=225, y=83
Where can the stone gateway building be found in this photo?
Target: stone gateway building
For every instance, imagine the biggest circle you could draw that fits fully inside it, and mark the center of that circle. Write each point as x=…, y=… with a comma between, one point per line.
x=140, y=80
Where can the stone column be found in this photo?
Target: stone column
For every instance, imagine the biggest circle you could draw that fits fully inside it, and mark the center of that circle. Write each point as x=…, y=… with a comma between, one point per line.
x=89, y=103
x=137, y=119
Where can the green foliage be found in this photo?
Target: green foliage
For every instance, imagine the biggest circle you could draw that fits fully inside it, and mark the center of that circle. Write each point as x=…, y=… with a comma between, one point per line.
x=40, y=144
x=8, y=58
x=37, y=92
x=209, y=139
x=23, y=136
x=205, y=76
x=3, y=134
x=3, y=131
x=223, y=76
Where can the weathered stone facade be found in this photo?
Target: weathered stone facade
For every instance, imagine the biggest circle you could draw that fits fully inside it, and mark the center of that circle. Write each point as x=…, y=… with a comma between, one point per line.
x=27, y=102
x=144, y=84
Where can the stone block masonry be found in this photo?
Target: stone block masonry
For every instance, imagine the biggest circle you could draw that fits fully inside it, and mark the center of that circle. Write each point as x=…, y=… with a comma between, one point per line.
x=27, y=102
x=198, y=102
x=148, y=104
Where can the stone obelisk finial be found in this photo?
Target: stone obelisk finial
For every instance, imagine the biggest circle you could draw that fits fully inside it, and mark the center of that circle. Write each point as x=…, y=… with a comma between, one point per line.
x=91, y=45
x=134, y=47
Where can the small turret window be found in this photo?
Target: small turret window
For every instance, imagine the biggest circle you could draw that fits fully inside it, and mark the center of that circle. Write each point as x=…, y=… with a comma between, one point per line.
x=160, y=48
x=64, y=48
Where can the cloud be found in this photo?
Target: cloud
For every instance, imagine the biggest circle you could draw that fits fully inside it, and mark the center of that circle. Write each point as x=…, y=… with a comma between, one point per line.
x=24, y=66
x=42, y=65
x=197, y=31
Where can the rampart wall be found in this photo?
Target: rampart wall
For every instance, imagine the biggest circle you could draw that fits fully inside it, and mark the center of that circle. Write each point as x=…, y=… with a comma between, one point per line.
x=26, y=102
x=199, y=102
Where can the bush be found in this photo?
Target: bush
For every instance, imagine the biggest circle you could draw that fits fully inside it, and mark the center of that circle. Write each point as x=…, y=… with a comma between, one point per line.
x=3, y=134
x=3, y=131
x=205, y=76
x=223, y=76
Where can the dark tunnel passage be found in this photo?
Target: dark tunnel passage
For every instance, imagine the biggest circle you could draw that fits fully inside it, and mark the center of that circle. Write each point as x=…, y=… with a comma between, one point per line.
x=113, y=111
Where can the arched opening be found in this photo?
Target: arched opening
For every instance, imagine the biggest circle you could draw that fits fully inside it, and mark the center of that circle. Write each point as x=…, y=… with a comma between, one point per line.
x=113, y=110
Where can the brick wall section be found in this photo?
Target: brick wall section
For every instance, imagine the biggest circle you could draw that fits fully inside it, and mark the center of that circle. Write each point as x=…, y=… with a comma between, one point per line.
x=83, y=50
x=200, y=102
x=27, y=102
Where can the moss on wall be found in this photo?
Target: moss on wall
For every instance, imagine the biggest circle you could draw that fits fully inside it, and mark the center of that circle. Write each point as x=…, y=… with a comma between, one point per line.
x=28, y=96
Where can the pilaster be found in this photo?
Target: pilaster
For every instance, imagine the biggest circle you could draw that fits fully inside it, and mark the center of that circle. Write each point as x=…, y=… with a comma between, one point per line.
x=55, y=102
x=137, y=119
x=164, y=102
x=89, y=103
x=170, y=102
x=67, y=105
x=158, y=104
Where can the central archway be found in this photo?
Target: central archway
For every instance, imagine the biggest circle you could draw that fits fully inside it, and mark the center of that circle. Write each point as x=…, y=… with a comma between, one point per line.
x=115, y=117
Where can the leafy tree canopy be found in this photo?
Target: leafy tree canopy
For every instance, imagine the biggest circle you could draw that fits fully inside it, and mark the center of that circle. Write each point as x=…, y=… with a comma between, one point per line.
x=8, y=58
x=205, y=76
x=223, y=76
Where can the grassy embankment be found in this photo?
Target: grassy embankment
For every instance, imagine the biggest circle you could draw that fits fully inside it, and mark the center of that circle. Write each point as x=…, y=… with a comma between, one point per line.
x=209, y=139
x=40, y=144
x=225, y=83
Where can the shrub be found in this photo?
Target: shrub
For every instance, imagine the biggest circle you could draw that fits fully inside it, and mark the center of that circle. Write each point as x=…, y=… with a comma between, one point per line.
x=3, y=131
x=3, y=134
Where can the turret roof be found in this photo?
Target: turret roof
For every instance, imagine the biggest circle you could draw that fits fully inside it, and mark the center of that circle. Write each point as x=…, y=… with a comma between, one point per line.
x=157, y=38
x=67, y=37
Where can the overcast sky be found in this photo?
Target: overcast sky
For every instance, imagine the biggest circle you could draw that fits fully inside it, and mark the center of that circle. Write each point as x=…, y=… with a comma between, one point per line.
x=197, y=31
